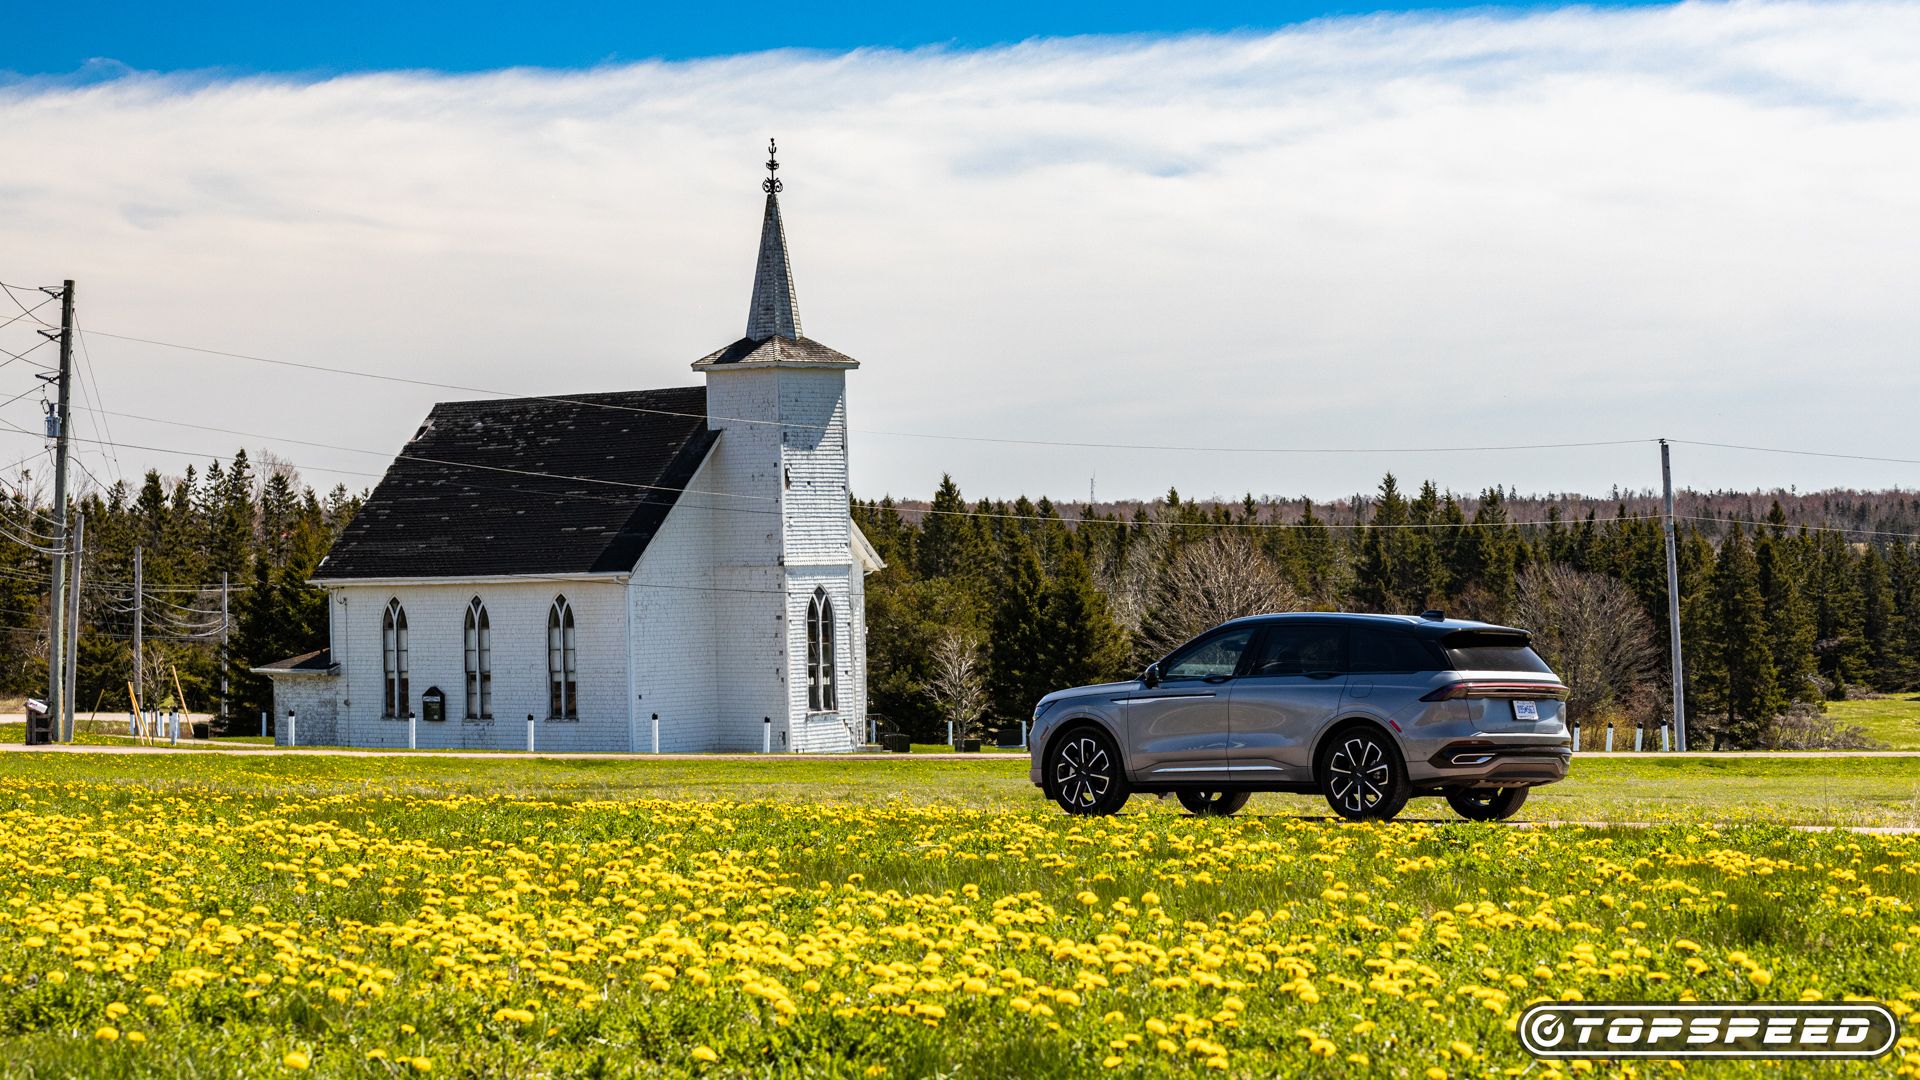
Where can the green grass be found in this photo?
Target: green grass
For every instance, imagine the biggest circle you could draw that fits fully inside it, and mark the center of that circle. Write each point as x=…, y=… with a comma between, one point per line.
x=898, y=917
x=1809, y=790
x=1894, y=721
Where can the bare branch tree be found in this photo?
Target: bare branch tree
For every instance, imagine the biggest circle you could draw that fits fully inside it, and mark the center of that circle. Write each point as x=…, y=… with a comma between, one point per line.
x=1207, y=582
x=958, y=683
x=1593, y=631
x=1127, y=581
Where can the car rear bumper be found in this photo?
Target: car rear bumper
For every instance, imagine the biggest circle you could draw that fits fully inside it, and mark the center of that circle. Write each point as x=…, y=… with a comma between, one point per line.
x=1484, y=763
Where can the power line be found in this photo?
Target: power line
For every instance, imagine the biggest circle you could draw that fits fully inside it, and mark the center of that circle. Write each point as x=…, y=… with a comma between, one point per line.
x=534, y=474
x=787, y=425
x=104, y=425
x=984, y=515
x=1797, y=453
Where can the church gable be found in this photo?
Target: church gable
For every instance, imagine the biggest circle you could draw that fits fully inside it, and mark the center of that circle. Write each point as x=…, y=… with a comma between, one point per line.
x=528, y=486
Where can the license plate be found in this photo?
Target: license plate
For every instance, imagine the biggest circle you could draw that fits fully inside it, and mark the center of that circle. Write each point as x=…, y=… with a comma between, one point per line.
x=1526, y=710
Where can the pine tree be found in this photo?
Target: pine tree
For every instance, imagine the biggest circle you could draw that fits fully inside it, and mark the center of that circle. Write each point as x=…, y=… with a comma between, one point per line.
x=1422, y=579
x=1493, y=559
x=950, y=543
x=1839, y=614
x=1749, y=694
x=1018, y=672
x=1379, y=574
x=1880, y=629
x=1081, y=642
x=1903, y=574
x=1789, y=615
x=1314, y=560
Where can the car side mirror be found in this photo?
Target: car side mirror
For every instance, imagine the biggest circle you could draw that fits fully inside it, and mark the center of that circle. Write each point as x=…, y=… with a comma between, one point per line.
x=1151, y=676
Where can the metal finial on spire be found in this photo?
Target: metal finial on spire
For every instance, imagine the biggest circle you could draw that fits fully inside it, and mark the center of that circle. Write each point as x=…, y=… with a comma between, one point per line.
x=772, y=185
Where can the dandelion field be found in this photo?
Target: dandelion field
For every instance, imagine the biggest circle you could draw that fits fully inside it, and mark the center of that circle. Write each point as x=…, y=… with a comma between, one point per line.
x=220, y=916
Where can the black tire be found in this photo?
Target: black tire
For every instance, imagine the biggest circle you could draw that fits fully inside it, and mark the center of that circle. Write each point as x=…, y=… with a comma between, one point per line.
x=1214, y=803
x=1363, y=775
x=1085, y=774
x=1487, y=804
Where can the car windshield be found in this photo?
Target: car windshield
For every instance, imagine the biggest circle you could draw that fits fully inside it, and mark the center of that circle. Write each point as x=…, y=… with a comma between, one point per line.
x=1480, y=651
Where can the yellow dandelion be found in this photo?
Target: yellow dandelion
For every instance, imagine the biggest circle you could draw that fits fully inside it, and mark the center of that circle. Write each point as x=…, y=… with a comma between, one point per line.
x=295, y=1060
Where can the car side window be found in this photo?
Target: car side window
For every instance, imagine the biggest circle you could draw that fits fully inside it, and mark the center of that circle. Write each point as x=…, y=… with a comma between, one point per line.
x=1217, y=655
x=1387, y=651
x=1293, y=649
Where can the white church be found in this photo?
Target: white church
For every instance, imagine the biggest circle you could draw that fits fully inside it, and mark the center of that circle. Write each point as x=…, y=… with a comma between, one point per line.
x=643, y=571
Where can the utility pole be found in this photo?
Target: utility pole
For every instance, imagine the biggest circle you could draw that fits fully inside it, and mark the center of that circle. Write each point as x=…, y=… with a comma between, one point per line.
x=72, y=673
x=57, y=640
x=223, y=651
x=1673, y=605
x=139, y=617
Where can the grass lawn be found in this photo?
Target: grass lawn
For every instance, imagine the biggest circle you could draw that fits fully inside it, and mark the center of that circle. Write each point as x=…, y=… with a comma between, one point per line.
x=262, y=915
x=1892, y=720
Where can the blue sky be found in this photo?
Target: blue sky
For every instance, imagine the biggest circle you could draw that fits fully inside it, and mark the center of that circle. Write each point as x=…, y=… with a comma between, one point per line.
x=1318, y=245
x=357, y=35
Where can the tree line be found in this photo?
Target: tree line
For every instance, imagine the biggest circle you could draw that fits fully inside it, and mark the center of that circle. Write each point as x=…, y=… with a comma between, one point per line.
x=261, y=530
x=986, y=605
x=1777, y=615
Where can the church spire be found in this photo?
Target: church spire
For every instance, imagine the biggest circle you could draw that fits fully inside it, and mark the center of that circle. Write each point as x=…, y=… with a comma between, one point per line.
x=774, y=311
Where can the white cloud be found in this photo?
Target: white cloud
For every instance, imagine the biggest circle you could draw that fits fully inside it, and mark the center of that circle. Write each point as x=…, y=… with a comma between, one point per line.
x=1695, y=221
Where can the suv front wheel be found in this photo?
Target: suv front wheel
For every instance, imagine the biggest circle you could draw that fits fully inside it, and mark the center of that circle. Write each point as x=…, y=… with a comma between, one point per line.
x=1084, y=773
x=1363, y=775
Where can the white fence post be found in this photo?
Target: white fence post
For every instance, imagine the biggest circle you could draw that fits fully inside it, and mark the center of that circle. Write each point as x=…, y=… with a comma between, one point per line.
x=1609, y=737
x=293, y=728
x=1023, y=735
x=529, y=733
x=1638, y=732
x=766, y=728
x=173, y=727
x=413, y=738
x=1664, y=746
x=656, y=733
x=1576, y=738
x=951, y=745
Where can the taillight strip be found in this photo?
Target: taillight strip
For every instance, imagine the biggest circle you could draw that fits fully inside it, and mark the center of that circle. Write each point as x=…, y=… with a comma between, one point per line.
x=1494, y=688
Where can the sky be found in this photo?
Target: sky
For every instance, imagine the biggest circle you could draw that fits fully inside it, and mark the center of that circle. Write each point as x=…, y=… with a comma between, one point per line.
x=1189, y=250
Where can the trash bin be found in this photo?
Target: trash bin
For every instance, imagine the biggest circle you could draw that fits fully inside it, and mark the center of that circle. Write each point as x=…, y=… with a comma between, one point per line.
x=39, y=723
x=897, y=744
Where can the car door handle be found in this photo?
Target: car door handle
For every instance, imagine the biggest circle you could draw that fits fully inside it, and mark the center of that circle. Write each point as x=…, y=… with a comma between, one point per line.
x=1216, y=680
x=1321, y=674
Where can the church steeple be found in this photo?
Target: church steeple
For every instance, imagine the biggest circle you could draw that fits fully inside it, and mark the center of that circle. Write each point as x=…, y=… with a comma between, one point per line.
x=774, y=311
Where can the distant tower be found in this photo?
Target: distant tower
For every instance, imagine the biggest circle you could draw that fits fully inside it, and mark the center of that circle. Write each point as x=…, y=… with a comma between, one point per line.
x=783, y=534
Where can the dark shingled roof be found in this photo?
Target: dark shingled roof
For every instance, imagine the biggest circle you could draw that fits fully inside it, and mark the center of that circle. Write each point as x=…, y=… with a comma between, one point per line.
x=776, y=350
x=528, y=486
x=317, y=662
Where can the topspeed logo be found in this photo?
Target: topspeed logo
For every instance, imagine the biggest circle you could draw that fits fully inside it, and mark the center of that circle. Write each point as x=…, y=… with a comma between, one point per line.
x=1818, y=1029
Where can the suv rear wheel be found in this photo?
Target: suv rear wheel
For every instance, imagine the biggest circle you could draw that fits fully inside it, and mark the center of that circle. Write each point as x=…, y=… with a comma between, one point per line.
x=1084, y=773
x=1214, y=803
x=1487, y=804
x=1363, y=775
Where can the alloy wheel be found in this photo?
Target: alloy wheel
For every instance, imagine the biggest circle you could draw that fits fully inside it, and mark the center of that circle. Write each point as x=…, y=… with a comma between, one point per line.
x=1359, y=774
x=1084, y=772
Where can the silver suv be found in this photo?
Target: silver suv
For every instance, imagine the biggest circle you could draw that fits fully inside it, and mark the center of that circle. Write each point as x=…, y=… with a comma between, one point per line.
x=1369, y=710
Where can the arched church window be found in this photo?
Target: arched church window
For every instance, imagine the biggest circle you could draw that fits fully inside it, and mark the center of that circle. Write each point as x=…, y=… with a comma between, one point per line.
x=479, y=653
x=821, y=683
x=393, y=652
x=562, y=666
